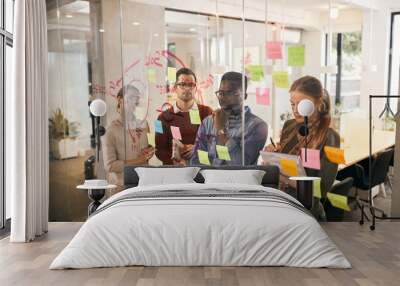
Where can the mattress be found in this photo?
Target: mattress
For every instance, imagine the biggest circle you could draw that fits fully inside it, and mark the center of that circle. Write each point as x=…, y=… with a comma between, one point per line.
x=201, y=225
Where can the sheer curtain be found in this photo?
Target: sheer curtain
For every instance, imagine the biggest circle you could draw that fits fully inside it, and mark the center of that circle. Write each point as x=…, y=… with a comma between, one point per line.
x=27, y=124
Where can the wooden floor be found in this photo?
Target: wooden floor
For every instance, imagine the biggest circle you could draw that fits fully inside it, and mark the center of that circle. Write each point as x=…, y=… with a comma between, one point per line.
x=375, y=257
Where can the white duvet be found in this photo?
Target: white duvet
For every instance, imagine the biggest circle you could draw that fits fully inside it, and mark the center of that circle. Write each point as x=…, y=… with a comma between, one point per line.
x=200, y=231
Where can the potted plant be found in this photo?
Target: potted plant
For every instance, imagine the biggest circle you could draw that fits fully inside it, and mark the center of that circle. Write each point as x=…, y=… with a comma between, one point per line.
x=62, y=135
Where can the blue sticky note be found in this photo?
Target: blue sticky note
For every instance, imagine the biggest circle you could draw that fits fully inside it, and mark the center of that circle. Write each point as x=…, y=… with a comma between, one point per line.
x=158, y=127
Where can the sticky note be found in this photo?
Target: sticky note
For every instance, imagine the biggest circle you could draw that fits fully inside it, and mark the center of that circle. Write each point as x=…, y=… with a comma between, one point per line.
x=223, y=153
x=203, y=157
x=256, y=72
x=296, y=56
x=262, y=96
x=280, y=79
x=194, y=116
x=176, y=133
x=273, y=50
x=335, y=155
x=151, y=139
x=158, y=127
x=289, y=167
x=338, y=201
x=317, y=188
x=313, y=159
x=151, y=75
x=171, y=74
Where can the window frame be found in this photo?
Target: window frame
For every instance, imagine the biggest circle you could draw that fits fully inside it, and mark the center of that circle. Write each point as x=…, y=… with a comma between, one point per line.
x=6, y=39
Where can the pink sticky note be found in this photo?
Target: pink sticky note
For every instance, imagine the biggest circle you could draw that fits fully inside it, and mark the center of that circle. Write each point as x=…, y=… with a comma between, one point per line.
x=176, y=133
x=313, y=159
x=274, y=50
x=262, y=96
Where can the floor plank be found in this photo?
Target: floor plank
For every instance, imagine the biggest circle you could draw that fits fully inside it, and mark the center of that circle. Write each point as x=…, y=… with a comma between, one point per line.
x=375, y=257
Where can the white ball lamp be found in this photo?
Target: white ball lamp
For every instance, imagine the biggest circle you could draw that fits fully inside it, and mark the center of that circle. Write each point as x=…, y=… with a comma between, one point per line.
x=305, y=108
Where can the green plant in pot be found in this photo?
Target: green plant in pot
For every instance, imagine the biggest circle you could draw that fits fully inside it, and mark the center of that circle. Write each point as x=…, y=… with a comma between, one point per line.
x=62, y=135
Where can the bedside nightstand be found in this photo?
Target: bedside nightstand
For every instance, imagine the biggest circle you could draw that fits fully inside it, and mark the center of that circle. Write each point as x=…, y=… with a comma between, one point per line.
x=95, y=193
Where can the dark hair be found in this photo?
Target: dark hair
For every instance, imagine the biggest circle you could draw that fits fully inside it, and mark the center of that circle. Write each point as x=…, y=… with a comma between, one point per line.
x=127, y=88
x=312, y=87
x=235, y=80
x=185, y=71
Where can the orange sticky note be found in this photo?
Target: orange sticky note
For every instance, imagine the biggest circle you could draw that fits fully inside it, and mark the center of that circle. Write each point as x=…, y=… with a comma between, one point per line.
x=335, y=155
x=313, y=159
x=176, y=133
x=289, y=167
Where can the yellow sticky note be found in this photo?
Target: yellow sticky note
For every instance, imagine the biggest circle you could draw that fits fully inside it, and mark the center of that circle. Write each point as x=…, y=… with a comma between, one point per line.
x=281, y=79
x=151, y=139
x=223, y=153
x=289, y=167
x=317, y=188
x=335, y=155
x=203, y=157
x=296, y=56
x=171, y=74
x=339, y=201
x=151, y=75
x=194, y=116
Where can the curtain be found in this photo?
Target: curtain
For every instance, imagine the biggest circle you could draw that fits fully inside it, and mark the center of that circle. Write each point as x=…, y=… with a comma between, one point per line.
x=28, y=123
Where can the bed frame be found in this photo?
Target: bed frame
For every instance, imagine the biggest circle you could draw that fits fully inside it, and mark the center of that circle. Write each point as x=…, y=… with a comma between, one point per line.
x=270, y=179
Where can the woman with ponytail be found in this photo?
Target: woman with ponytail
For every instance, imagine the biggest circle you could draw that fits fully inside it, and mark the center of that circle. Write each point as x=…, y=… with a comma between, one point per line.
x=320, y=134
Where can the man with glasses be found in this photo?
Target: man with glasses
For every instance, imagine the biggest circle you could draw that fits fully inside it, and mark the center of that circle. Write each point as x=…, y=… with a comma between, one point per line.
x=224, y=127
x=179, y=116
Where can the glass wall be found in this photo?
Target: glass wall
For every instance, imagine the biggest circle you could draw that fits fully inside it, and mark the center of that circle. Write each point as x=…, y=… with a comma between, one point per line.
x=201, y=85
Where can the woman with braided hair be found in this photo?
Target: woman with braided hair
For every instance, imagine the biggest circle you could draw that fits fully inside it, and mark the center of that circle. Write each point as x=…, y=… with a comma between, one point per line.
x=319, y=132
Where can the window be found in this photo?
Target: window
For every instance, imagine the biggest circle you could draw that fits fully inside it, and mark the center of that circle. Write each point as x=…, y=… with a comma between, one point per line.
x=6, y=44
x=346, y=84
x=394, y=61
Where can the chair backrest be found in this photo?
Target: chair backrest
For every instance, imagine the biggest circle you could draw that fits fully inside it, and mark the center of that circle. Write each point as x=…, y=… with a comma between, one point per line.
x=380, y=167
x=343, y=187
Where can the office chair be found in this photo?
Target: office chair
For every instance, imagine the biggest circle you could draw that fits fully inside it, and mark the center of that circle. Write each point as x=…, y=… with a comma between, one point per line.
x=362, y=182
x=342, y=188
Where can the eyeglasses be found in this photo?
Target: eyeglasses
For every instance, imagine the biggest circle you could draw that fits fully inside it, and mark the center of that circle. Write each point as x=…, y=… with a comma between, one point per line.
x=186, y=85
x=226, y=93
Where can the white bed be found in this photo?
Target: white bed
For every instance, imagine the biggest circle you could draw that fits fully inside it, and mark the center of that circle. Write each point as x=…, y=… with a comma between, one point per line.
x=236, y=229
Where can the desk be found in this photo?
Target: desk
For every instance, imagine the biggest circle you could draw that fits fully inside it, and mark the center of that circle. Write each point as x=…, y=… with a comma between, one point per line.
x=356, y=146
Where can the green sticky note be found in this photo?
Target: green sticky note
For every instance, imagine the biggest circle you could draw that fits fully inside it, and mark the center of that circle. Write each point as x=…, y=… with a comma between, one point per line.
x=317, y=188
x=151, y=139
x=281, y=79
x=339, y=201
x=151, y=75
x=171, y=74
x=296, y=56
x=256, y=72
x=203, y=157
x=223, y=153
x=194, y=116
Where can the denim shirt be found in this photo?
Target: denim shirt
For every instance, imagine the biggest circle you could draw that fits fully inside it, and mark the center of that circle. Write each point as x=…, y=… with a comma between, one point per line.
x=255, y=136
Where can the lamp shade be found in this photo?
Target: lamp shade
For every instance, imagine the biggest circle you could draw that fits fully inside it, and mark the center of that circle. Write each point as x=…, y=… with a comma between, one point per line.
x=305, y=107
x=98, y=107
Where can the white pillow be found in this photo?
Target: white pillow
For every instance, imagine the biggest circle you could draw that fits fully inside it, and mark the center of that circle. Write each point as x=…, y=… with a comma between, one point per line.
x=166, y=176
x=248, y=177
